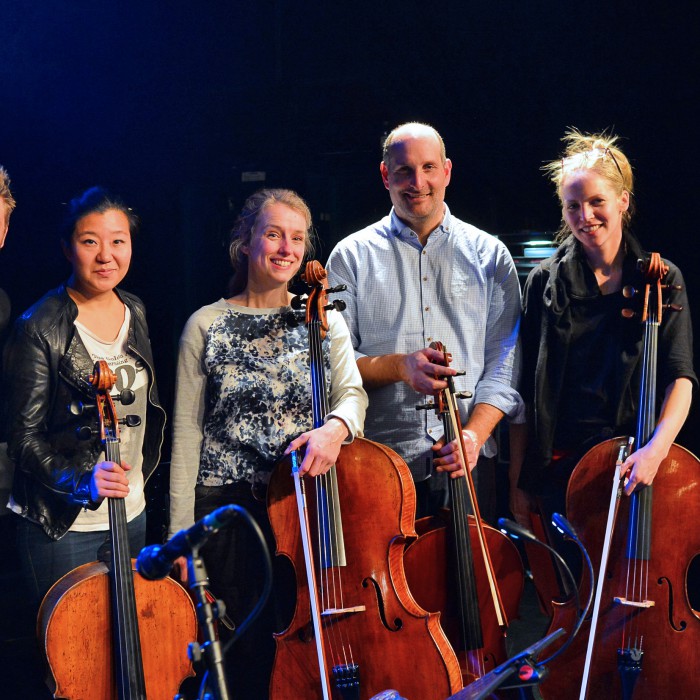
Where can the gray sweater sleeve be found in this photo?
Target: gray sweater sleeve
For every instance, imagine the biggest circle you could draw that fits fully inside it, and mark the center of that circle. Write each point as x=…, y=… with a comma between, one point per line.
x=348, y=400
x=188, y=417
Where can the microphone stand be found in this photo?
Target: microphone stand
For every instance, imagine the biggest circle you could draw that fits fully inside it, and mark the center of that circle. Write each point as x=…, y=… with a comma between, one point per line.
x=210, y=649
x=531, y=672
x=207, y=613
x=528, y=670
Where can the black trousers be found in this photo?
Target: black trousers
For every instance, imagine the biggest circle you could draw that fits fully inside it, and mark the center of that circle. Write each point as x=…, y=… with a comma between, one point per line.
x=234, y=561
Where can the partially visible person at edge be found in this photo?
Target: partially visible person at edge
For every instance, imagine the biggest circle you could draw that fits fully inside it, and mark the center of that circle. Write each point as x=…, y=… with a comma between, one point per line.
x=7, y=205
x=421, y=275
x=581, y=358
x=61, y=481
x=243, y=400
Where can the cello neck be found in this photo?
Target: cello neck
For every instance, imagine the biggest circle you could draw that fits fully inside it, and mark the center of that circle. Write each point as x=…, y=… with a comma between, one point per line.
x=319, y=391
x=640, y=517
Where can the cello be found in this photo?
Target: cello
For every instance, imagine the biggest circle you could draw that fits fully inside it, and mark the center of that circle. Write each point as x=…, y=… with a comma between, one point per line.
x=356, y=629
x=469, y=571
x=140, y=650
x=643, y=635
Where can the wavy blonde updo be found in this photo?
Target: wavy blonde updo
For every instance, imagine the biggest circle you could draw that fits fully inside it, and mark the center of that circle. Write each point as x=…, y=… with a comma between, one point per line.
x=242, y=232
x=599, y=153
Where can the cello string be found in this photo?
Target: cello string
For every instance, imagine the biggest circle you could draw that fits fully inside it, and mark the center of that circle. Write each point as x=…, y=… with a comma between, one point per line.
x=642, y=499
x=328, y=519
x=459, y=530
x=327, y=561
x=471, y=618
x=341, y=644
x=493, y=586
x=319, y=484
x=458, y=506
x=647, y=493
x=635, y=524
x=122, y=581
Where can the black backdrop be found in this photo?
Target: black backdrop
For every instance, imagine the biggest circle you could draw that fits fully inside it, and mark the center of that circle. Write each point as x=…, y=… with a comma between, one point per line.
x=168, y=103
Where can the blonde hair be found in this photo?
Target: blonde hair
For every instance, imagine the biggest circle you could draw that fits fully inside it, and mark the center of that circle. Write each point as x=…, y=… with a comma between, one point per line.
x=242, y=232
x=597, y=152
x=5, y=193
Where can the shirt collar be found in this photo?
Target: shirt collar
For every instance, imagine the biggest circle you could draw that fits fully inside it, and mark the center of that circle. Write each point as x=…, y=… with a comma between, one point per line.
x=401, y=230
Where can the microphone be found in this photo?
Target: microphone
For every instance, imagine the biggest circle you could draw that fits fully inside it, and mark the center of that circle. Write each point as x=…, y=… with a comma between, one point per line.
x=564, y=526
x=155, y=561
x=510, y=527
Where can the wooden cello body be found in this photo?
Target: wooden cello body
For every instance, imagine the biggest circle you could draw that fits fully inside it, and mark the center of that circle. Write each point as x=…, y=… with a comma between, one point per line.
x=393, y=641
x=643, y=636
x=76, y=628
x=664, y=626
x=430, y=563
x=108, y=634
x=356, y=628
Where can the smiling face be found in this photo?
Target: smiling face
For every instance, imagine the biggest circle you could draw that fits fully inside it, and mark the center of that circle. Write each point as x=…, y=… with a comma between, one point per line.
x=100, y=252
x=416, y=177
x=276, y=249
x=593, y=210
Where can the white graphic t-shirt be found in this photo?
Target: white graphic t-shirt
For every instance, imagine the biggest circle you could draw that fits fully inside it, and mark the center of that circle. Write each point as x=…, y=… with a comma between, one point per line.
x=132, y=375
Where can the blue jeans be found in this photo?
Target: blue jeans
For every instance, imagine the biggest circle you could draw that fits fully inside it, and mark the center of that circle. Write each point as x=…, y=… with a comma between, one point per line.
x=43, y=561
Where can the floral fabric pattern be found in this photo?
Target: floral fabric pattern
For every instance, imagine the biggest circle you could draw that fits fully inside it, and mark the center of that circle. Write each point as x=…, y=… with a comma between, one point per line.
x=258, y=395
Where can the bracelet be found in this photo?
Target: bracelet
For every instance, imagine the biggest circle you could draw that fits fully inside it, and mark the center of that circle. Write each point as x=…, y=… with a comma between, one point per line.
x=472, y=436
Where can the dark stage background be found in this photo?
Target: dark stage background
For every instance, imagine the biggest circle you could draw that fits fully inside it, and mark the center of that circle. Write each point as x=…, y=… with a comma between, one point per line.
x=169, y=103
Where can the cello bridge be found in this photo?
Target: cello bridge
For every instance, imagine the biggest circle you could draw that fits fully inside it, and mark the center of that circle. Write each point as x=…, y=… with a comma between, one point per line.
x=634, y=603
x=329, y=612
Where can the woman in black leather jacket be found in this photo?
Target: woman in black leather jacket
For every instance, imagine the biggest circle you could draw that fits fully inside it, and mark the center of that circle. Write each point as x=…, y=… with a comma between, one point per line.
x=61, y=481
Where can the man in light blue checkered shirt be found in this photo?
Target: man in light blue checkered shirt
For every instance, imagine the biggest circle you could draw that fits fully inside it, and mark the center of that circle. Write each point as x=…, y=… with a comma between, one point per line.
x=421, y=275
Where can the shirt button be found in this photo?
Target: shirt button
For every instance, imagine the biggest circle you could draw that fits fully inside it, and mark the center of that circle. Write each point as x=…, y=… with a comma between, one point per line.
x=430, y=340
x=427, y=308
x=430, y=430
x=425, y=279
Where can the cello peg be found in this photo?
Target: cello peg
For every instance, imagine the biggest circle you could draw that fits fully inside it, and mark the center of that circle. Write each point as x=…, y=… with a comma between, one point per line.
x=672, y=287
x=291, y=319
x=77, y=408
x=673, y=307
x=85, y=432
x=130, y=421
x=298, y=302
x=125, y=397
x=425, y=406
x=337, y=304
x=628, y=291
x=628, y=313
x=339, y=288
